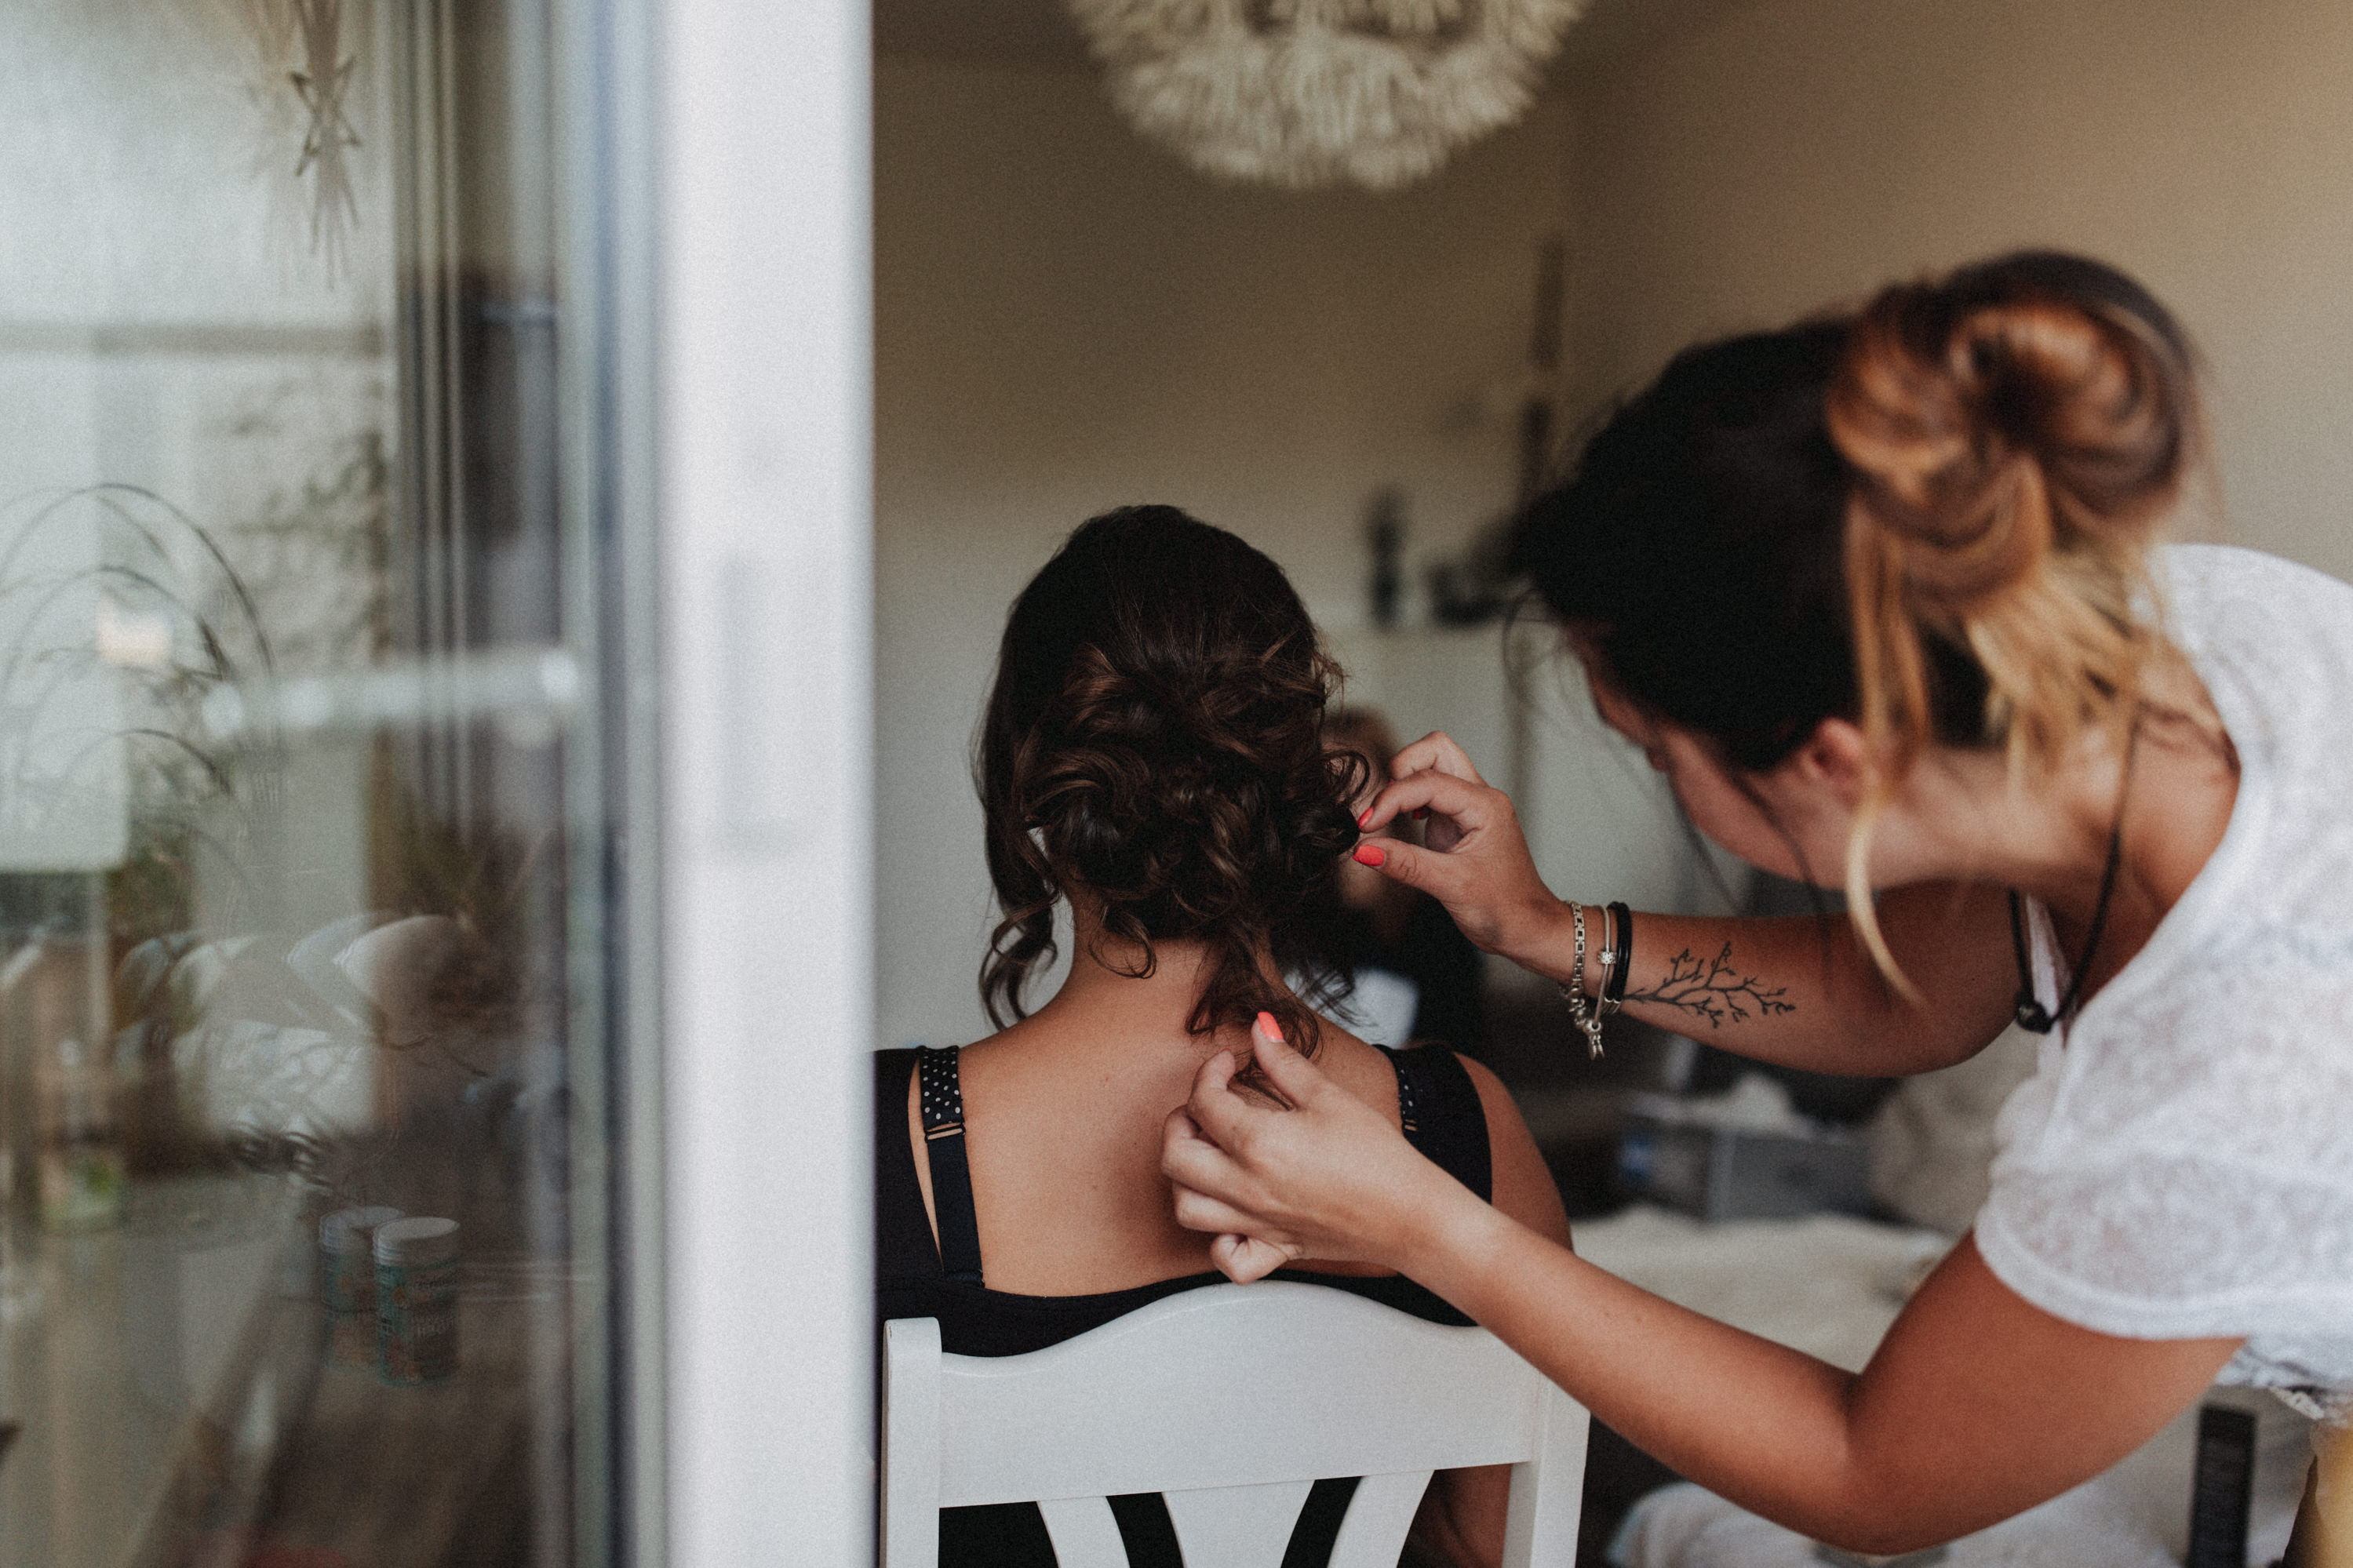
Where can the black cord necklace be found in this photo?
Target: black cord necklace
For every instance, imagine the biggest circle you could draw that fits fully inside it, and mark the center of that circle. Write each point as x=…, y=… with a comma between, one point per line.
x=2028, y=1010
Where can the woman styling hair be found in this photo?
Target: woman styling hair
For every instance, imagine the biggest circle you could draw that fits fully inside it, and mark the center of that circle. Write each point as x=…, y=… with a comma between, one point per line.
x=1153, y=755
x=1877, y=595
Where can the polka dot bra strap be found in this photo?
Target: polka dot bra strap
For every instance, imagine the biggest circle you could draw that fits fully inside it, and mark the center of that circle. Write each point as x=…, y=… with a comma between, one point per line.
x=1409, y=1097
x=940, y=1095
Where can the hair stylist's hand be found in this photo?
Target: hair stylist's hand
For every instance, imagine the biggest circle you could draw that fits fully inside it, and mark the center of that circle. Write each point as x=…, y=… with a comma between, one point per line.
x=1329, y=1179
x=1476, y=863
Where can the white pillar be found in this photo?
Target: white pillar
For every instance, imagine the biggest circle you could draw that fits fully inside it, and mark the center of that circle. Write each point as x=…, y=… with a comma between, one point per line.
x=767, y=905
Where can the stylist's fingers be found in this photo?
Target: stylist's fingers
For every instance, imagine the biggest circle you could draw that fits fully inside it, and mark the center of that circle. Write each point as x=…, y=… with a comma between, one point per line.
x=1467, y=800
x=1242, y=1258
x=1191, y=1159
x=1294, y=1077
x=1197, y=1210
x=1434, y=752
x=1239, y=1255
x=1221, y=1117
x=1440, y=875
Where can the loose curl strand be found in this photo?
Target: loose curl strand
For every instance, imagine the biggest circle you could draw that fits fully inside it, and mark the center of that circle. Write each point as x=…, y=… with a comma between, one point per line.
x=1154, y=745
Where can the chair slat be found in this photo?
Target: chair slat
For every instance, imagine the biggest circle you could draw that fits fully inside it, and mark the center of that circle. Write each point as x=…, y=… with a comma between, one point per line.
x=1380, y=1515
x=911, y=1443
x=1084, y=1533
x=1548, y=1487
x=1237, y=1527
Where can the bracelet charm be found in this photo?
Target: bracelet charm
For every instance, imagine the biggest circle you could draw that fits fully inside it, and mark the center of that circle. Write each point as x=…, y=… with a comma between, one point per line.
x=1584, y=1014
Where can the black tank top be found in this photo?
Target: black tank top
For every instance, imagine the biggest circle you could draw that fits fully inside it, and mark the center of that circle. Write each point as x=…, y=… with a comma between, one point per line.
x=1438, y=1107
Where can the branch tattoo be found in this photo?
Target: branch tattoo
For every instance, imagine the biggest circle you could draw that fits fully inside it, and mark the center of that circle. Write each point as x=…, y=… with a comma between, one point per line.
x=1714, y=990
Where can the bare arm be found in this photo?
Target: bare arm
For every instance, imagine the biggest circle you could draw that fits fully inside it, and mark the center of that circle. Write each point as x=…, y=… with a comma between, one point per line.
x=1977, y=1405
x=1463, y=1513
x=1804, y=994
x=1798, y=992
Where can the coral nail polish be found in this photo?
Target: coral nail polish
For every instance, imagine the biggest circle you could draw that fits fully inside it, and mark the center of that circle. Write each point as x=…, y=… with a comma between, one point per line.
x=1420, y=812
x=1368, y=854
x=1364, y=818
x=1268, y=1027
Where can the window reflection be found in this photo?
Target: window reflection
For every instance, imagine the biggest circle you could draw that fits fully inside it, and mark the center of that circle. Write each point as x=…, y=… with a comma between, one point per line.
x=290, y=732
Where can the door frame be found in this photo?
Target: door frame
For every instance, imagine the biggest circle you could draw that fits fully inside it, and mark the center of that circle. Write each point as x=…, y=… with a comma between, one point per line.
x=764, y=449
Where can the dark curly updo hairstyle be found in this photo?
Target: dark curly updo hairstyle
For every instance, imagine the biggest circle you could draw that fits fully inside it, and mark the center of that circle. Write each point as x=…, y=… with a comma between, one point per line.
x=1155, y=742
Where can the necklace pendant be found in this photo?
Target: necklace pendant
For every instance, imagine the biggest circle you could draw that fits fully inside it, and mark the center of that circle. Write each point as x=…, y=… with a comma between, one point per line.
x=2032, y=1016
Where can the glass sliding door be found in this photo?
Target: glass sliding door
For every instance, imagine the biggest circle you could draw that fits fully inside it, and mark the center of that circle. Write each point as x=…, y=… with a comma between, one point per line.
x=317, y=975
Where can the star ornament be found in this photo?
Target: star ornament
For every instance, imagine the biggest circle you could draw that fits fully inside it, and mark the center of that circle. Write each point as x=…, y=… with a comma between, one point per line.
x=322, y=82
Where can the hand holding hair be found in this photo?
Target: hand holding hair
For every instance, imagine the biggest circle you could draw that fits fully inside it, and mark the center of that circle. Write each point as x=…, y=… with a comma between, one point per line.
x=1476, y=861
x=1329, y=1179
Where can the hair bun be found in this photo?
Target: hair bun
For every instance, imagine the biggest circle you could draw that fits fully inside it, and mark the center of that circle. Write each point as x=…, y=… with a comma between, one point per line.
x=2016, y=431
x=1986, y=433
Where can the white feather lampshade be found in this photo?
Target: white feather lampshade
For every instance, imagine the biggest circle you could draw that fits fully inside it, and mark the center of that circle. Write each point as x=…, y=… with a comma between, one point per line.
x=1305, y=93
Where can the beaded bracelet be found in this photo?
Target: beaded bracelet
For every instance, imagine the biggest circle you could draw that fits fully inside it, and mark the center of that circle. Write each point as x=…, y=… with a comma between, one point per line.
x=1588, y=1019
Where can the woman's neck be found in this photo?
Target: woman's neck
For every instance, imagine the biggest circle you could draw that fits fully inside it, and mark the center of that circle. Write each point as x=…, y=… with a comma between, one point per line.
x=1110, y=985
x=2164, y=800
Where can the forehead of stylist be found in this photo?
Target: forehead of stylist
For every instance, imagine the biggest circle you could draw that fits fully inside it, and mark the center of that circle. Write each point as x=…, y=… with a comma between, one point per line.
x=1884, y=596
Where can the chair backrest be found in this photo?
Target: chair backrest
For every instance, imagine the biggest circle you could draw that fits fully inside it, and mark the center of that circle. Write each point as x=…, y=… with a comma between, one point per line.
x=1231, y=1401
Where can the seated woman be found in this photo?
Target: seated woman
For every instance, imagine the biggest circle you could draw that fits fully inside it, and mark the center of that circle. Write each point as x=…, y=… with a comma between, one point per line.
x=1153, y=756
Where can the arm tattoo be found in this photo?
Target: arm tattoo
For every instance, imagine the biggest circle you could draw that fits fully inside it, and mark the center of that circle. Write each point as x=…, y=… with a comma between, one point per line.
x=1714, y=990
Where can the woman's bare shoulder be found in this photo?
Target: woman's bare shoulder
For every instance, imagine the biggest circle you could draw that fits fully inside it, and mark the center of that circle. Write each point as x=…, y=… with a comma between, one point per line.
x=1524, y=1187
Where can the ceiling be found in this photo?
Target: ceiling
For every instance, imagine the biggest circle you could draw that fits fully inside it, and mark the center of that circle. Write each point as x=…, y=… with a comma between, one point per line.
x=1038, y=35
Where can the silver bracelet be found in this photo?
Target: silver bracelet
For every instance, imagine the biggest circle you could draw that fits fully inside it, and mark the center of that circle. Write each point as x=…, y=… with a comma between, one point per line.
x=1586, y=1018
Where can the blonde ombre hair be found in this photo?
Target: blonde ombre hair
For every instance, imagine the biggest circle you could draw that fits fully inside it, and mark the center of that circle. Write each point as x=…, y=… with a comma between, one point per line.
x=2016, y=441
x=1930, y=517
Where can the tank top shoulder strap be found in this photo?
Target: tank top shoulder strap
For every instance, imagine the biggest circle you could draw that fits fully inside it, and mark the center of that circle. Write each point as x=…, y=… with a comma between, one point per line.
x=940, y=1097
x=1438, y=1108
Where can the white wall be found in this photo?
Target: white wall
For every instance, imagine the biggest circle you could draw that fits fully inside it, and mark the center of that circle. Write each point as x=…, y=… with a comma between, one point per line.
x=1787, y=153
x=1067, y=321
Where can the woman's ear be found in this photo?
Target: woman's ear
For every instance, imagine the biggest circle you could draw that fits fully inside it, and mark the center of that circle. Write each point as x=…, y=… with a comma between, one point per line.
x=1836, y=758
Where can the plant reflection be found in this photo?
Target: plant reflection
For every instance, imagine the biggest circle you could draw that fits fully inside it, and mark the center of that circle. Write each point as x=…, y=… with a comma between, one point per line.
x=277, y=975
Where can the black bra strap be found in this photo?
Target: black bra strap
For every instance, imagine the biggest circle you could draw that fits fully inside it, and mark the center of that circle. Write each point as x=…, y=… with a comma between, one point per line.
x=939, y=1091
x=1408, y=1099
x=1409, y=1094
x=1438, y=1109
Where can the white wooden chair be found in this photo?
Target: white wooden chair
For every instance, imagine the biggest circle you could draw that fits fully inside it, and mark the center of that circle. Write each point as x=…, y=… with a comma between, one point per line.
x=1231, y=1401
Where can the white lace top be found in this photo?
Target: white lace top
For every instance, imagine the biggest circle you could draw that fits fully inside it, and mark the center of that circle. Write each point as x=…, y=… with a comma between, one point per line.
x=2181, y=1166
